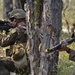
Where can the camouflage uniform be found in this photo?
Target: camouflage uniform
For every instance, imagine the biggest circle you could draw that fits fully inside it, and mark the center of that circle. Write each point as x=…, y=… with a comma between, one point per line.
x=68, y=50
x=72, y=58
x=72, y=52
x=17, y=37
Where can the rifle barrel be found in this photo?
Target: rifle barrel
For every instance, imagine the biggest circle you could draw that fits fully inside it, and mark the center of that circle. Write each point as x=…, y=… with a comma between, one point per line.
x=56, y=47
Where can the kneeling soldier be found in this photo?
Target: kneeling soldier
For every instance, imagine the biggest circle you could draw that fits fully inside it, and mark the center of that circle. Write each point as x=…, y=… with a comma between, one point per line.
x=17, y=38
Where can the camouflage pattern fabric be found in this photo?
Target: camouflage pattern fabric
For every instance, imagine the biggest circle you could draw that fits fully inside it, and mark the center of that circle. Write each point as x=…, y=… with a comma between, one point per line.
x=17, y=37
x=72, y=55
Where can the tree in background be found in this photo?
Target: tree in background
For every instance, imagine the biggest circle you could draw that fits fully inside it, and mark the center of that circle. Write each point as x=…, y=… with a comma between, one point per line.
x=18, y=4
x=7, y=7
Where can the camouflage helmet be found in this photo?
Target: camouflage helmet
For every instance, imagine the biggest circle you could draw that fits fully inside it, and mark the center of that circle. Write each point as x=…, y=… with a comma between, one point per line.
x=17, y=13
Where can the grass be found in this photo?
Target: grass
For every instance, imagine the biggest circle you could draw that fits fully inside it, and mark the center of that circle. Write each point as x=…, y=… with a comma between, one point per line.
x=65, y=66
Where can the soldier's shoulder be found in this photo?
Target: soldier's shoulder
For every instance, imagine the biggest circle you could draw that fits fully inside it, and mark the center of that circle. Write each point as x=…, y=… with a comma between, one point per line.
x=13, y=30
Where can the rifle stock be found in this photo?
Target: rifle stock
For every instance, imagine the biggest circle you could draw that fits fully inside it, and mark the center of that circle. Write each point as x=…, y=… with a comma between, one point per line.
x=56, y=47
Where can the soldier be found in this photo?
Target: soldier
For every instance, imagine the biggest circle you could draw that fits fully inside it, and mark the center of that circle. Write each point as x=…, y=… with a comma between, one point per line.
x=17, y=37
x=68, y=50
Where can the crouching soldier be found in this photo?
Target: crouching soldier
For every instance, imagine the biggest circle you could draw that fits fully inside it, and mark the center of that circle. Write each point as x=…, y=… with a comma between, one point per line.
x=17, y=38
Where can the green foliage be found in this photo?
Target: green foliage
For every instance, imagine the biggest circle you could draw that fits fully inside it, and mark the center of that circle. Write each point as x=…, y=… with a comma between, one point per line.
x=65, y=66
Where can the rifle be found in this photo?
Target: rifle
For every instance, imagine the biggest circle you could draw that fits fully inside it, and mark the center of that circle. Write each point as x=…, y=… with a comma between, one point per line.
x=5, y=25
x=58, y=46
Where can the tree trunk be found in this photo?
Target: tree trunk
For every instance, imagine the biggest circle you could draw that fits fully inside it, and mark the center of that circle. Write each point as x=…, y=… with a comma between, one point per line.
x=40, y=11
x=33, y=39
x=52, y=26
x=7, y=7
x=17, y=4
x=23, y=2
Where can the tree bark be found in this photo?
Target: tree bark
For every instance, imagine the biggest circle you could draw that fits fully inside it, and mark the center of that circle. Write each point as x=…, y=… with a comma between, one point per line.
x=40, y=11
x=23, y=2
x=52, y=25
x=17, y=4
x=33, y=39
x=7, y=7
